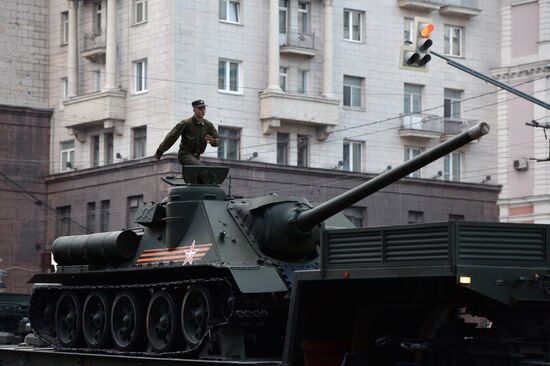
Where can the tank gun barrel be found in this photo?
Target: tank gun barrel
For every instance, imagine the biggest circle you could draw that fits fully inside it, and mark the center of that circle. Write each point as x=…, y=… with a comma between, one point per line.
x=306, y=220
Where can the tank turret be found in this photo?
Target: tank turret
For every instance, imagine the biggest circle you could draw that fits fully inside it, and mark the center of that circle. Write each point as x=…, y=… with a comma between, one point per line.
x=205, y=276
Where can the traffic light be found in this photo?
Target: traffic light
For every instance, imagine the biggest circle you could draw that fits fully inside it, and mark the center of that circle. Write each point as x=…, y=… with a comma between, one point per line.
x=416, y=56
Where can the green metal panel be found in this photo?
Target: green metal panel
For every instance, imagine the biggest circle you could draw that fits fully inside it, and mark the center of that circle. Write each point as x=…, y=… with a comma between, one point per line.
x=516, y=244
x=406, y=245
x=258, y=280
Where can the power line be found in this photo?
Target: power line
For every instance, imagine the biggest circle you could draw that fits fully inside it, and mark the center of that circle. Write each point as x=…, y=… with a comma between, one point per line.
x=38, y=201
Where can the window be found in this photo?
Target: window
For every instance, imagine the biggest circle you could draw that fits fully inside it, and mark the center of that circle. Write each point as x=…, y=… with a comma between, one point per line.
x=283, y=76
x=97, y=80
x=451, y=103
x=283, y=142
x=352, y=91
x=408, y=31
x=356, y=215
x=302, y=83
x=65, y=86
x=229, y=76
x=140, y=11
x=64, y=27
x=303, y=17
x=353, y=152
x=104, y=215
x=133, y=203
x=140, y=140
x=230, y=10
x=230, y=141
x=108, y=148
x=416, y=217
x=140, y=72
x=303, y=150
x=412, y=152
x=63, y=221
x=412, y=99
x=352, y=25
x=283, y=16
x=453, y=41
x=97, y=18
x=95, y=150
x=67, y=155
x=90, y=217
x=452, y=167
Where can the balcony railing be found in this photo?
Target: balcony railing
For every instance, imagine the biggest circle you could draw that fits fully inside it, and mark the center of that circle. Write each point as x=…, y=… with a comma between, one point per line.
x=319, y=112
x=472, y=4
x=94, y=46
x=454, y=126
x=432, y=126
x=422, y=5
x=421, y=121
x=295, y=41
x=464, y=8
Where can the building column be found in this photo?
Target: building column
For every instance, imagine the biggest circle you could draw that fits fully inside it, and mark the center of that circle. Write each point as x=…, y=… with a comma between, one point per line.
x=110, y=53
x=72, y=60
x=273, y=49
x=544, y=29
x=328, y=51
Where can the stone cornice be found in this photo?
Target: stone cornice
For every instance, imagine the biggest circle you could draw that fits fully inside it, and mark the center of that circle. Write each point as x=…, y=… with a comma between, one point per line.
x=529, y=70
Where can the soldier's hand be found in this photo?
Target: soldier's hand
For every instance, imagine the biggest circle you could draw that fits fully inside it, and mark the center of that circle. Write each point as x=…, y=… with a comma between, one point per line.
x=157, y=156
x=209, y=139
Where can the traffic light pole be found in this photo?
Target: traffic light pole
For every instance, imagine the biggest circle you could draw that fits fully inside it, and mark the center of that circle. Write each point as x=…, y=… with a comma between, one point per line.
x=492, y=81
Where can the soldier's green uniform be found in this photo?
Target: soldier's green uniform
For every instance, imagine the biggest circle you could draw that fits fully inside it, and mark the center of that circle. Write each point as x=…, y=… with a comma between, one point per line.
x=193, y=143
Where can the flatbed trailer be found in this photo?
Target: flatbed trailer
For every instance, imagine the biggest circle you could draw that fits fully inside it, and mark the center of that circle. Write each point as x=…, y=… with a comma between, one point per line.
x=46, y=356
x=455, y=293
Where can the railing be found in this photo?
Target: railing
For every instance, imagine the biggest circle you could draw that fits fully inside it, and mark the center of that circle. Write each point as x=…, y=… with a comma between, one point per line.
x=421, y=121
x=295, y=38
x=436, y=2
x=94, y=40
x=454, y=126
x=472, y=4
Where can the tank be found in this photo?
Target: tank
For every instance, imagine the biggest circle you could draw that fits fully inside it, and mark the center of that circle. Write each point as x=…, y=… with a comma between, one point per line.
x=206, y=277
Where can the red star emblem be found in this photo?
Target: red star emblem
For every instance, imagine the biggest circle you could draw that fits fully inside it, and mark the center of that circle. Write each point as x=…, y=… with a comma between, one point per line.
x=190, y=254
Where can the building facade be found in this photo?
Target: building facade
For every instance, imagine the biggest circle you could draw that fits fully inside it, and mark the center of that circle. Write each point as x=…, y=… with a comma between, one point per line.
x=24, y=141
x=523, y=150
x=304, y=83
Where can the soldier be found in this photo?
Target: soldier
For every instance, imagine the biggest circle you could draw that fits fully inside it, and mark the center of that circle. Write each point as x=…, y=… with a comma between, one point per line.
x=195, y=133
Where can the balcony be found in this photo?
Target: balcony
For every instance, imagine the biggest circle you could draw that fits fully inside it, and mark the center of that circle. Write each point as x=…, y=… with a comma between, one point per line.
x=453, y=126
x=323, y=113
x=106, y=109
x=425, y=126
x=94, y=46
x=422, y=5
x=295, y=42
x=460, y=8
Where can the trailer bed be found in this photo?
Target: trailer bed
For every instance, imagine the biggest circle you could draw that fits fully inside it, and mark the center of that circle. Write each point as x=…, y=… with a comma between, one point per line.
x=46, y=356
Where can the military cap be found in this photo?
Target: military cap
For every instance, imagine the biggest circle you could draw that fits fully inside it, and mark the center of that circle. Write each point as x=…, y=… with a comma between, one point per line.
x=198, y=103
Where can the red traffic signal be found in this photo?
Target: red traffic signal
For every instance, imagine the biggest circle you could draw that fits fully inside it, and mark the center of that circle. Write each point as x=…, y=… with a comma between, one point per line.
x=417, y=55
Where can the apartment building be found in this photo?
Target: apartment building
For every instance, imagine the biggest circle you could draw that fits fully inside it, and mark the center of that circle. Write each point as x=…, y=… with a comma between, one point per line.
x=24, y=141
x=308, y=97
x=306, y=83
x=523, y=151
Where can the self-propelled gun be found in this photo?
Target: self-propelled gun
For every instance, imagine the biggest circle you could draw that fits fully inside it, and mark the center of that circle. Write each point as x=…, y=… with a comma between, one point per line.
x=207, y=276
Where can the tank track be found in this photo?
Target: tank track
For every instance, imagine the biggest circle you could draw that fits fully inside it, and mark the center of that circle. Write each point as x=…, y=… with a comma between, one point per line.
x=243, y=311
